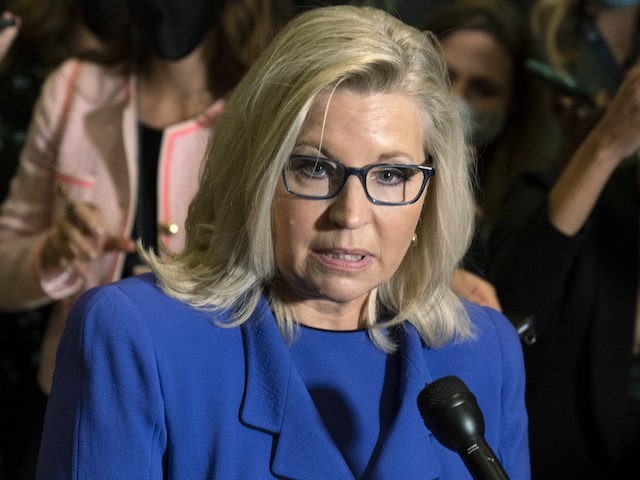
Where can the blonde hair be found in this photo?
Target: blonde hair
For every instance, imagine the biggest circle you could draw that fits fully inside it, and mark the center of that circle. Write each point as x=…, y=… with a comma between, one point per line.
x=228, y=261
x=551, y=22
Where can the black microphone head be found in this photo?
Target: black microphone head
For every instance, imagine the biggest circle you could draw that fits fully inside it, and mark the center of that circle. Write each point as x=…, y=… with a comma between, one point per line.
x=451, y=412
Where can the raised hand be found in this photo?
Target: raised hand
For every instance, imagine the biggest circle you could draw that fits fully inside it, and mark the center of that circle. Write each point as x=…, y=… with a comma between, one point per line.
x=79, y=237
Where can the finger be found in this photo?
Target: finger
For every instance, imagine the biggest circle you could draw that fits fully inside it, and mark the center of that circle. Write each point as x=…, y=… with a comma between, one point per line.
x=82, y=268
x=7, y=21
x=489, y=296
x=57, y=247
x=634, y=69
x=603, y=99
x=492, y=301
x=87, y=218
x=83, y=247
x=122, y=244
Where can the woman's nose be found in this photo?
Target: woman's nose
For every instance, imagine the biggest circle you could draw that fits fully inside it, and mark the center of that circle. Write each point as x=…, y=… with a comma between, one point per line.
x=351, y=208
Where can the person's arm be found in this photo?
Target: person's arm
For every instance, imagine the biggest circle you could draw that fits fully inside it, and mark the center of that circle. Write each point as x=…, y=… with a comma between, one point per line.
x=614, y=138
x=544, y=221
x=26, y=214
x=105, y=416
x=530, y=259
x=46, y=238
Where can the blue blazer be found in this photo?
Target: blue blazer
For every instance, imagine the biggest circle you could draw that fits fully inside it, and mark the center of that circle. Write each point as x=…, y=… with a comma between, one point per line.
x=147, y=387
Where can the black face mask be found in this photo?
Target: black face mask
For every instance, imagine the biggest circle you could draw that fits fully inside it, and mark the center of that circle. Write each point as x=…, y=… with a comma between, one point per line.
x=174, y=28
x=107, y=19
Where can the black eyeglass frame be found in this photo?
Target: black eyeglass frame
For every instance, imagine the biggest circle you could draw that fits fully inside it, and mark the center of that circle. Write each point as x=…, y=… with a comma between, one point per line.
x=361, y=173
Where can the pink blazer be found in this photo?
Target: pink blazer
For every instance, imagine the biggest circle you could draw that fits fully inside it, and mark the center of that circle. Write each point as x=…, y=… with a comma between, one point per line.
x=82, y=146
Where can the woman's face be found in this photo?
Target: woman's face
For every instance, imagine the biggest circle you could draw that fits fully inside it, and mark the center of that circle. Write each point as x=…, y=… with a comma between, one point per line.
x=481, y=69
x=333, y=252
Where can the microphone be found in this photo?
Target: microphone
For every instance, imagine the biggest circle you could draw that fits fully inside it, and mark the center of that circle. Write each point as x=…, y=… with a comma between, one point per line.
x=451, y=412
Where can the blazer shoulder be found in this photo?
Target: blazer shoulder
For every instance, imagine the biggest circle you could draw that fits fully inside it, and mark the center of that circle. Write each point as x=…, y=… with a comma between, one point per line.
x=140, y=300
x=91, y=81
x=136, y=299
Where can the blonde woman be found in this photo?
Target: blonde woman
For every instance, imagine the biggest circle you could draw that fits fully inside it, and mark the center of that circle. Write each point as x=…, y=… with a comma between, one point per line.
x=311, y=304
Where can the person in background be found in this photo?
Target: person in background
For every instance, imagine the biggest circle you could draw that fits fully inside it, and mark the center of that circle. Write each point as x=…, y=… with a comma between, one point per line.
x=44, y=34
x=484, y=43
x=291, y=336
x=566, y=249
x=114, y=148
x=51, y=31
x=113, y=153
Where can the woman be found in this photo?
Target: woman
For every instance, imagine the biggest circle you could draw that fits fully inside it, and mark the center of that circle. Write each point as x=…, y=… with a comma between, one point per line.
x=50, y=32
x=483, y=42
x=46, y=32
x=292, y=335
x=114, y=151
x=566, y=249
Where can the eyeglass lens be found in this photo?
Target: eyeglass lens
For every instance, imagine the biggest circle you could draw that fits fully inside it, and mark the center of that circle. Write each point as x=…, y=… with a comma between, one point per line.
x=324, y=178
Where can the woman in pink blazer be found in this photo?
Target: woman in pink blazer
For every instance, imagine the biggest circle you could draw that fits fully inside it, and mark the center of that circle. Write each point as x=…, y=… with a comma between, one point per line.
x=113, y=154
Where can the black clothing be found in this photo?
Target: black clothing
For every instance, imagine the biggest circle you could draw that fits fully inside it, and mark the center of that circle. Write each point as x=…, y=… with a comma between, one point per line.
x=582, y=291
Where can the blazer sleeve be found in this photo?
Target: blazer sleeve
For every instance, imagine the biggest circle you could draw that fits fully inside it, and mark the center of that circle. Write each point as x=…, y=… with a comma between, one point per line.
x=530, y=259
x=27, y=213
x=105, y=416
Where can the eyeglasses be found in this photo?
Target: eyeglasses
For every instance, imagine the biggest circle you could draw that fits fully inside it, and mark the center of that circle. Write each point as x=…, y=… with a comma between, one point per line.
x=319, y=178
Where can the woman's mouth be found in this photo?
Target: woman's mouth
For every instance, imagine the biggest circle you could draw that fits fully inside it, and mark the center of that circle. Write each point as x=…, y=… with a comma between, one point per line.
x=351, y=261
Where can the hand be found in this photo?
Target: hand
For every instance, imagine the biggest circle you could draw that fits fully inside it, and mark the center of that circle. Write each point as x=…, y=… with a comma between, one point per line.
x=577, y=117
x=8, y=33
x=619, y=127
x=78, y=237
x=614, y=138
x=474, y=289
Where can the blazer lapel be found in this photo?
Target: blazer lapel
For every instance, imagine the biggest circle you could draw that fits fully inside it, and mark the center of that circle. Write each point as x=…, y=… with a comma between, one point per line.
x=407, y=448
x=276, y=401
x=131, y=143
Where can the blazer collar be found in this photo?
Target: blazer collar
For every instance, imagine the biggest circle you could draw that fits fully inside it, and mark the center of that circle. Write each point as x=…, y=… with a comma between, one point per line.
x=276, y=401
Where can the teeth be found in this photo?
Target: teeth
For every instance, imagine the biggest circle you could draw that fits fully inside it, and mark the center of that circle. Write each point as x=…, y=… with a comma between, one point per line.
x=346, y=257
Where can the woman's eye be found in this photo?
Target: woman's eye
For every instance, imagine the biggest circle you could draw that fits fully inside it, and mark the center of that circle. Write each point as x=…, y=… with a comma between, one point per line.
x=316, y=168
x=391, y=176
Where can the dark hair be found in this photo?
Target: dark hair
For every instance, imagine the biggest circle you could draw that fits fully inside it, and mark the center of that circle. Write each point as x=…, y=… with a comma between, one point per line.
x=241, y=30
x=47, y=31
x=505, y=22
x=502, y=19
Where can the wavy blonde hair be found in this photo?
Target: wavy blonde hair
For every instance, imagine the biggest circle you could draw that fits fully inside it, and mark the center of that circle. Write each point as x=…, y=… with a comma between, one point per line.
x=228, y=261
x=551, y=23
